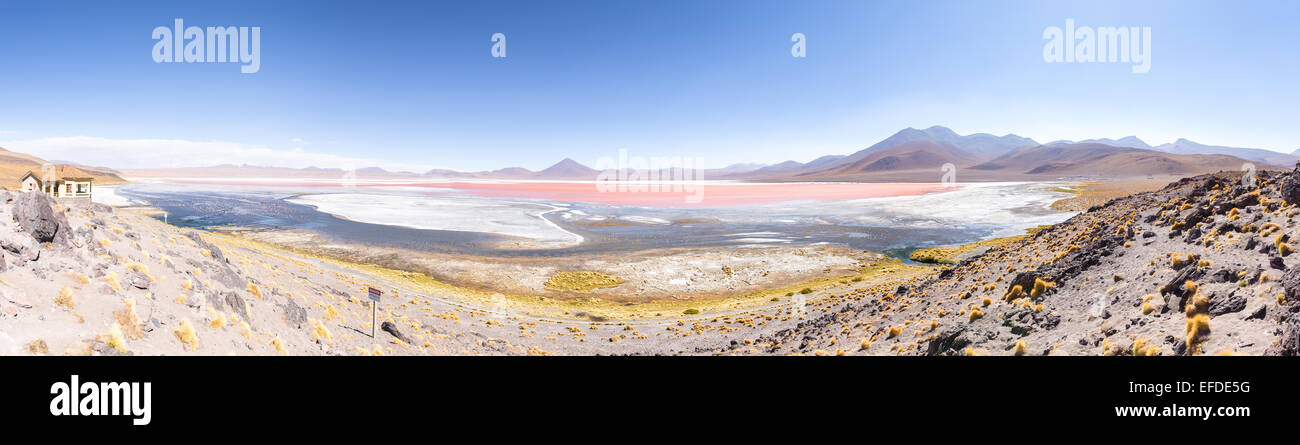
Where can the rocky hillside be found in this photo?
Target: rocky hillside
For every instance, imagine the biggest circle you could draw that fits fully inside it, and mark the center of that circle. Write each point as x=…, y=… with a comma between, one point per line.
x=1203, y=266
x=78, y=278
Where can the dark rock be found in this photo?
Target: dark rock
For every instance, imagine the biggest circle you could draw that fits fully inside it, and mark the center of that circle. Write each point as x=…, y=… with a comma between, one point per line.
x=236, y=303
x=1226, y=304
x=138, y=280
x=34, y=212
x=1291, y=284
x=21, y=245
x=950, y=339
x=1277, y=263
x=391, y=328
x=1290, y=189
x=1259, y=313
x=294, y=315
x=1288, y=345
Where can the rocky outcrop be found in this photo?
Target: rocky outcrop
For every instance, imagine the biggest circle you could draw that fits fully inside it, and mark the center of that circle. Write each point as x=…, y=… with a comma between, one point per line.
x=35, y=215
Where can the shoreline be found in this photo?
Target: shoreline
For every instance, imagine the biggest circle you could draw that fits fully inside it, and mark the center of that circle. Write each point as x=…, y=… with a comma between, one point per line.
x=598, y=306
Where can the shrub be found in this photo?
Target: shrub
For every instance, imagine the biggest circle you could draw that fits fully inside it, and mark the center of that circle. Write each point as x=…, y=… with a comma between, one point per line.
x=185, y=333
x=319, y=332
x=111, y=279
x=1014, y=293
x=691, y=311
x=65, y=298
x=115, y=338
x=1040, y=287
x=1142, y=349
x=129, y=320
x=1021, y=348
x=256, y=291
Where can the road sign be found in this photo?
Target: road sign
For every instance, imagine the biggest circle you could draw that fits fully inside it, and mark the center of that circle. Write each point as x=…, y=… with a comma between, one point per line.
x=374, y=309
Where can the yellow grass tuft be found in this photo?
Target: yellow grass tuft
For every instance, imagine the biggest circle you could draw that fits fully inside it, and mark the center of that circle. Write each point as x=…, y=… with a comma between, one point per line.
x=1040, y=287
x=129, y=320
x=279, y=346
x=1177, y=260
x=975, y=314
x=115, y=338
x=331, y=312
x=1198, y=328
x=217, y=320
x=319, y=331
x=65, y=298
x=80, y=278
x=1021, y=348
x=185, y=333
x=1141, y=348
x=1015, y=292
x=256, y=291
x=111, y=279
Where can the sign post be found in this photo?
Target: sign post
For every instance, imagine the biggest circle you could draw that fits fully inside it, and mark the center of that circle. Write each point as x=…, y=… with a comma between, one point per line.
x=374, y=309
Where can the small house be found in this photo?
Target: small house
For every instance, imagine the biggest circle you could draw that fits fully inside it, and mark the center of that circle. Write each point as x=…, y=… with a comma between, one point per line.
x=66, y=187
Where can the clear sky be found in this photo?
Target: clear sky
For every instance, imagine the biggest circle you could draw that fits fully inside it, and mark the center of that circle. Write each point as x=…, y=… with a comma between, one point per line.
x=414, y=85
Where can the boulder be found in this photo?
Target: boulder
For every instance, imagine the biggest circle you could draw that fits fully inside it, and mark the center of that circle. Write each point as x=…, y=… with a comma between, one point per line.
x=35, y=214
x=1291, y=284
x=20, y=244
x=1291, y=185
x=950, y=339
x=391, y=328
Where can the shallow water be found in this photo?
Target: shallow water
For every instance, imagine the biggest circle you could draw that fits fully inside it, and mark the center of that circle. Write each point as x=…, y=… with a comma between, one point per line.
x=445, y=220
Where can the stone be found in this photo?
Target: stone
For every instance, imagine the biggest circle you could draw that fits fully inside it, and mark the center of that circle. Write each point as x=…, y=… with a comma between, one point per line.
x=391, y=328
x=35, y=214
x=1226, y=304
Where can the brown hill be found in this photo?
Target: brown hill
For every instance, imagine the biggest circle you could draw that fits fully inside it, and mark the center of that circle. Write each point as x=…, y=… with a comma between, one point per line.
x=907, y=156
x=1094, y=159
x=567, y=169
x=14, y=165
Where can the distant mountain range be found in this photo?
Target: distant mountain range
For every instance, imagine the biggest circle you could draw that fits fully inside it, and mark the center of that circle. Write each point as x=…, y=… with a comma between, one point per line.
x=910, y=155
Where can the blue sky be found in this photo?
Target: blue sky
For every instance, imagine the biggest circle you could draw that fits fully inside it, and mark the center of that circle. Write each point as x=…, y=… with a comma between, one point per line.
x=413, y=85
